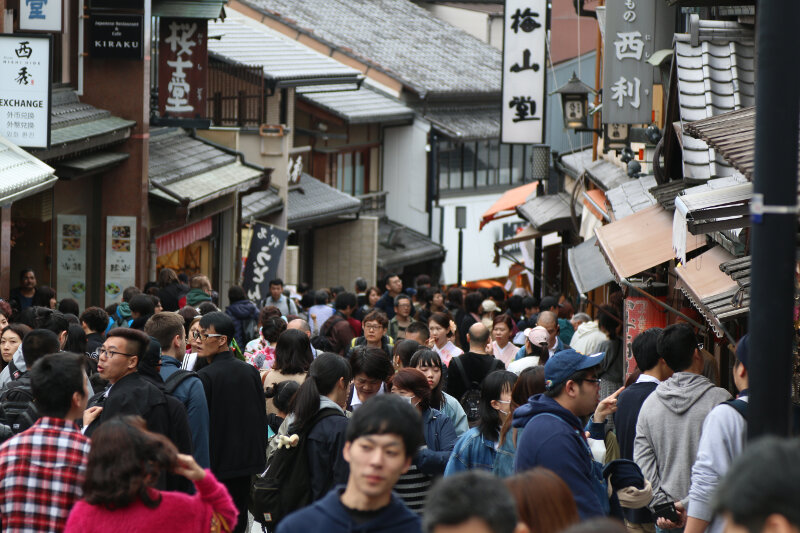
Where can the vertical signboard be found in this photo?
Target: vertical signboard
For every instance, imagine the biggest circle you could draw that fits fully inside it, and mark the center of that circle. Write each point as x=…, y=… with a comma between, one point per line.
x=71, y=256
x=120, y=257
x=524, y=65
x=640, y=314
x=182, y=67
x=25, y=71
x=266, y=247
x=40, y=15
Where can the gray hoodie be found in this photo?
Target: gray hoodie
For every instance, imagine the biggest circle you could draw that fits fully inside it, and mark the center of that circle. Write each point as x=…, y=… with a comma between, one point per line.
x=668, y=433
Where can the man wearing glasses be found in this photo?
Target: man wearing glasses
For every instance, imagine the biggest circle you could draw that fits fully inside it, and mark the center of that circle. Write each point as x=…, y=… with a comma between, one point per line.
x=554, y=436
x=237, y=412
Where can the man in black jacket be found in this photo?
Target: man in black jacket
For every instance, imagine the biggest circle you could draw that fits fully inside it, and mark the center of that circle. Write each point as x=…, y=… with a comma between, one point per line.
x=237, y=412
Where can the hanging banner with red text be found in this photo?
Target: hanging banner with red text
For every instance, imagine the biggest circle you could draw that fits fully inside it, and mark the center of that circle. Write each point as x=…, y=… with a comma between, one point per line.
x=640, y=314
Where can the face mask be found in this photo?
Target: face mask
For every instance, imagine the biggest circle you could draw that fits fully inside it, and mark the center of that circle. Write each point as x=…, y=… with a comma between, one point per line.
x=503, y=402
x=410, y=400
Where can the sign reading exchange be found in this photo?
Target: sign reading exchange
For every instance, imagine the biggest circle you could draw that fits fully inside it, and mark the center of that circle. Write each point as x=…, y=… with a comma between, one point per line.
x=117, y=36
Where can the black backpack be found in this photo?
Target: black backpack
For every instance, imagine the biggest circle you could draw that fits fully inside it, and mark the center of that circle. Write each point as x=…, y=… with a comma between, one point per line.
x=471, y=399
x=17, y=410
x=175, y=379
x=286, y=484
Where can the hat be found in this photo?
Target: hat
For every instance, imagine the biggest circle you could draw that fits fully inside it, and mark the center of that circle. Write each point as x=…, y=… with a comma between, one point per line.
x=548, y=302
x=537, y=335
x=565, y=363
x=742, y=351
x=489, y=306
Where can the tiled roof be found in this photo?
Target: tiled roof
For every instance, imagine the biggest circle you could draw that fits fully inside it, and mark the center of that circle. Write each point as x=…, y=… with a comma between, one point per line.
x=575, y=163
x=247, y=42
x=666, y=192
x=466, y=123
x=399, y=38
x=548, y=213
x=359, y=107
x=399, y=246
x=630, y=197
x=588, y=267
x=199, y=9
x=312, y=202
x=21, y=174
x=714, y=77
x=606, y=174
x=261, y=203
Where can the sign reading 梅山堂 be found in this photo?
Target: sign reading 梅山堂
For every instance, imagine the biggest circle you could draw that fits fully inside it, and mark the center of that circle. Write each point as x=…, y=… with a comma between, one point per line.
x=116, y=36
x=266, y=247
x=524, y=65
x=41, y=15
x=182, y=68
x=25, y=71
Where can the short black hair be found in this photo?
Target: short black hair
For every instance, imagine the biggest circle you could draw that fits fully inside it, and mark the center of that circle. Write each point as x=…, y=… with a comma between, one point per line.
x=497, y=294
x=54, y=379
x=515, y=305
x=418, y=327
x=472, y=494
x=406, y=348
x=344, y=300
x=472, y=302
x=222, y=323
x=138, y=341
x=142, y=304
x=361, y=284
x=276, y=281
x=676, y=345
x=645, y=349
x=129, y=293
x=69, y=306
x=95, y=318
x=320, y=297
x=37, y=344
x=386, y=414
x=761, y=482
x=25, y=271
x=529, y=302
x=55, y=321
x=389, y=276
x=236, y=294
x=372, y=362
x=401, y=296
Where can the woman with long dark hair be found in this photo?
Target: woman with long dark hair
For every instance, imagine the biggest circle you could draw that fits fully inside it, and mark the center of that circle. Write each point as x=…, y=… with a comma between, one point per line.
x=529, y=383
x=292, y=358
x=478, y=448
x=429, y=363
x=125, y=461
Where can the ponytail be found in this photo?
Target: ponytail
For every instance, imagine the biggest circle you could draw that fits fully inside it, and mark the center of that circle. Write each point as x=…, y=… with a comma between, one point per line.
x=323, y=375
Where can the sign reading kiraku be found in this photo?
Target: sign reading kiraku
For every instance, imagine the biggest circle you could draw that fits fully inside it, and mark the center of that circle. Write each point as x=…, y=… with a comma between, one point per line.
x=266, y=248
x=182, y=68
x=25, y=71
x=524, y=66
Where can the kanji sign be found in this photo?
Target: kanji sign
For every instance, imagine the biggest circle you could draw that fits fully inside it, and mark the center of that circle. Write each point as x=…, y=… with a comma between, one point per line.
x=120, y=257
x=183, y=68
x=524, y=41
x=71, y=258
x=41, y=15
x=266, y=248
x=25, y=71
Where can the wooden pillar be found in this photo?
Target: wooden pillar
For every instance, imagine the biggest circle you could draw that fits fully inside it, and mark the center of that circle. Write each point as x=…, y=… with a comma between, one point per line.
x=5, y=248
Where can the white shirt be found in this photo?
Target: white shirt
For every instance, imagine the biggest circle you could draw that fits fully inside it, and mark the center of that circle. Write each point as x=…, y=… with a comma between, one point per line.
x=644, y=378
x=521, y=364
x=355, y=401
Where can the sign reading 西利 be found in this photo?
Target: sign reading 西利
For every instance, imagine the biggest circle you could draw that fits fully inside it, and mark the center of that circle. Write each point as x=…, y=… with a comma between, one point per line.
x=40, y=15
x=266, y=248
x=25, y=71
x=524, y=65
x=116, y=36
x=182, y=68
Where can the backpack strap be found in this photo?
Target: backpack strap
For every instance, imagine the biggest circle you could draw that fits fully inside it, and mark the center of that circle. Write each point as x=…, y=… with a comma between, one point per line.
x=739, y=405
x=176, y=378
x=13, y=371
x=462, y=372
x=321, y=414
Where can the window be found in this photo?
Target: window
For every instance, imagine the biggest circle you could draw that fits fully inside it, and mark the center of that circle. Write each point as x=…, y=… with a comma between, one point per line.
x=477, y=164
x=353, y=172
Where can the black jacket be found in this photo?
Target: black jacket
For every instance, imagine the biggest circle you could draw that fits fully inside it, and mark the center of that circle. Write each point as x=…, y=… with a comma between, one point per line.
x=241, y=312
x=94, y=341
x=327, y=465
x=237, y=417
x=171, y=295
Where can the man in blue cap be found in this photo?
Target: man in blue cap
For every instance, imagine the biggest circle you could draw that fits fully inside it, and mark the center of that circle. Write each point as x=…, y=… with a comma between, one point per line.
x=554, y=436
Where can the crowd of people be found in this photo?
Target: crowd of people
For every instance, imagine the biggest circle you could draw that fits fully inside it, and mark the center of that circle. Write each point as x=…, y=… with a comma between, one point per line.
x=400, y=409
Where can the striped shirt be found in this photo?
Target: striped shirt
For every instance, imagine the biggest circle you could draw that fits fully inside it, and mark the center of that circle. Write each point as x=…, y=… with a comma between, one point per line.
x=413, y=487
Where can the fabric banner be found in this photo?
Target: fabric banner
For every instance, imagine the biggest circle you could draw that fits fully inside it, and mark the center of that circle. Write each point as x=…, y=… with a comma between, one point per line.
x=266, y=247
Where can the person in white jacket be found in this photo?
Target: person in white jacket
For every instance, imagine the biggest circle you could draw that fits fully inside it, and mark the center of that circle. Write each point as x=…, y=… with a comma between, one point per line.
x=588, y=338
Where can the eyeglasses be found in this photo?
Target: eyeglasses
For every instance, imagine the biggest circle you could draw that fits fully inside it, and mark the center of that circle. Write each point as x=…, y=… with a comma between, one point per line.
x=592, y=380
x=196, y=335
x=102, y=352
x=372, y=327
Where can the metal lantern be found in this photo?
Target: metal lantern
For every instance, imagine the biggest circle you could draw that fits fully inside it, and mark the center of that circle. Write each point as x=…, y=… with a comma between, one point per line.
x=575, y=103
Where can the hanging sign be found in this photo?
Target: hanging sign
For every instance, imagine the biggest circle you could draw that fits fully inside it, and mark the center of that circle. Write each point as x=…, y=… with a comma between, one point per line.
x=116, y=36
x=40, y=15
x=182, y=68
x=25, y=67
x=524, y=64
x=71, y=254
x=120, y=257
x=640, y=314
x=266, y=247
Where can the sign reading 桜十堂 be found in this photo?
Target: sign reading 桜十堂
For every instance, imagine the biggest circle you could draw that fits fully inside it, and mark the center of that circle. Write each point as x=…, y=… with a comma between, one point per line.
x=25, y=73
x=41, y=15
x=117, y=36
x=524, y=65
x=182, y=68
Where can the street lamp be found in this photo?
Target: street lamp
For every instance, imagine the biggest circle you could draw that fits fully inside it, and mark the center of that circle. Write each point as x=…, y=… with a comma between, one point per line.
x=461, y=223
x=575, y=103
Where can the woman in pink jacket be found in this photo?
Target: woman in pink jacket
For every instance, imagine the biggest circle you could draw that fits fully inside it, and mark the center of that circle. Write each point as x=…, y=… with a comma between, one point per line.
x=125, y=462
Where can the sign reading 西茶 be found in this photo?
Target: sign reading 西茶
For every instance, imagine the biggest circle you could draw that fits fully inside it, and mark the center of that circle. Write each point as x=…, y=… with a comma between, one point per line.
x=182, y=68
x=524, y=65
x=266, y=247
x=116, y=36
x=40, y=15
x=25, y=72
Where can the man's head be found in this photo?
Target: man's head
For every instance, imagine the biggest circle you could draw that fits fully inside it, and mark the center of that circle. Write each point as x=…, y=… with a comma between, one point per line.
x=530, y=306
x=37, y=344
x=94, y=320
x=478, y=337
x=740, y=376
x=276, y=288
x=571, y=379
x=645, y=349
x=549, y=303
x=394, y=285
x=345, y=303
x=199, y=281
x=300, y=325
x=371, y=369
x=549, y=321
x=167, y=329
x=418, y=331
x=375, y=324
x=471, y=502
x=578, y=319
x=382, y=438
x=142, y=305
x=759, y=493
x=236, y=294
x=27, y=278
x=216, y=333
x=129, y=293
x=60, y=386
x=678, y=346
x=55, y=322
x=402, y=306
x=360, y=285
x=321, y=297
x=515, y=307
x=121, y=352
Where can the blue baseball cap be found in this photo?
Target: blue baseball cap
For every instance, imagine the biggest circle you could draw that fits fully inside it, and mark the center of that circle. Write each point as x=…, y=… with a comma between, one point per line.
x=563, y=364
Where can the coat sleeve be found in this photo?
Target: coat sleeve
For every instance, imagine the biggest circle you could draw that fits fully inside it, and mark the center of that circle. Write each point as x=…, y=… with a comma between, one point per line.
x=644, y=455
x=432, y=459
x=197, y=413
x=214, y=494
x=327, y=464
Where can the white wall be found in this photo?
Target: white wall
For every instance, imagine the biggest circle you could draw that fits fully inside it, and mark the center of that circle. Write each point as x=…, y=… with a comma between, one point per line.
x=471, y=21
x=405, y=171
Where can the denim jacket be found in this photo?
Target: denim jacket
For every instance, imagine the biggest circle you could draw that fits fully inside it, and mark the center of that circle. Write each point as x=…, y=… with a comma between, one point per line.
x=475, y=452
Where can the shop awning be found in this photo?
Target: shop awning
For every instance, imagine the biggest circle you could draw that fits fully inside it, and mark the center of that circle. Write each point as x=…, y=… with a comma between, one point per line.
x=588, y=266
x=90, y=164
x=631, y=197
x=261, y=204
x=640, y=242
x=709, y=289
x=185, y=236
x=507, y=204
x=362, y=106
x=191, y=9
x=312, y=202
x=548, y=213
x=574, y=163
x=400, y=246
x=466, y=123
x=21, y=174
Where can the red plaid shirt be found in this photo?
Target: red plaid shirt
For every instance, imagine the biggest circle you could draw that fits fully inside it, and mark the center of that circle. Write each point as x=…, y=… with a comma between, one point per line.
x=41, y=475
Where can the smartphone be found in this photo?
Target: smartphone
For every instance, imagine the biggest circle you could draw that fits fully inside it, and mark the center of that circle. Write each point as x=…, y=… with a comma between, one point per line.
x=668, y=511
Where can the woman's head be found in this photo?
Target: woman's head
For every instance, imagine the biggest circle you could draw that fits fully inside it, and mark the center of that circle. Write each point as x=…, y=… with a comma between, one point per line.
x=293, y=352
x=193, y=338
x=371, y=369
x=412, y=384
x=267, y=312
x=126, y=460
x=167, y=276
x=403, y=350
x=281, y=394
x=10, y=339
x=5, y=313
x=373, y=295
x=502, y=326
x=429, y=363
x=529, y=383
x=440, y=328
x=44, y=297
x=329, y=375
x=494, y=406
x=544, y=501
x=272, y=328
